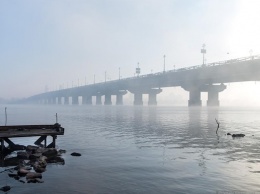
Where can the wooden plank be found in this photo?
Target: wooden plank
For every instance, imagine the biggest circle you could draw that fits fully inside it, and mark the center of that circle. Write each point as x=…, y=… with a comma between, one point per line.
x=30, y=130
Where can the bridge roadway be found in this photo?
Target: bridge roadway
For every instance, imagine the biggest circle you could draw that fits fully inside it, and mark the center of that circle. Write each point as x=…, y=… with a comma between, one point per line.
x=196, y=79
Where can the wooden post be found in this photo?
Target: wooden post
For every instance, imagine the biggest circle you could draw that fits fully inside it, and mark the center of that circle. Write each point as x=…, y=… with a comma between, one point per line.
x=2, y=145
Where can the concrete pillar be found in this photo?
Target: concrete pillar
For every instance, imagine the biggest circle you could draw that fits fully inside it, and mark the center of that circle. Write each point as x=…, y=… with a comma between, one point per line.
x=138, y=98
x=213, y=98
x=75, y=100
x=66, y=100
x=87, y=100
x=98, y=99
x=194, y=99
x=213, y=94
x=59, y=100
x=119, y=97
x=152, y=96
x=108, y=100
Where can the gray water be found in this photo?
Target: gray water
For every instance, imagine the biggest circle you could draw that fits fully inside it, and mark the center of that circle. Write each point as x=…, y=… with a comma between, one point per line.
x=127, y=149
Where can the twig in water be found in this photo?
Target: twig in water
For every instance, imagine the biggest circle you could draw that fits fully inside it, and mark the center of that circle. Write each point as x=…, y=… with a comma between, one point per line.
x=218, y=125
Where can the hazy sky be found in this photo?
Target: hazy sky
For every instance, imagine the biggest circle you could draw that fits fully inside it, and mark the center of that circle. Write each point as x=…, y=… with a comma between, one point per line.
x=60, y=42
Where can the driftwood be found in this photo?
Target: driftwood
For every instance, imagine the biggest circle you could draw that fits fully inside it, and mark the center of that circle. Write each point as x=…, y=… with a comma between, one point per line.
x=218, y=125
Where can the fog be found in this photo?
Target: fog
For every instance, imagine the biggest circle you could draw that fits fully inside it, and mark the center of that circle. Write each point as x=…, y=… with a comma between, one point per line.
x=46, y=45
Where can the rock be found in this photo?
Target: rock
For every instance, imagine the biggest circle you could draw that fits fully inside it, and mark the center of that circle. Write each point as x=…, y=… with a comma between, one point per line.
x=62, y=151
x=12, y=175
x=5, y=188
x=22, y=155
x=18, y=147
x=33, y=175
x=35, y=180
x=31, y=148
x=13, y=161
x=75, y=154
x=56, y=159
x=39, y=169
x=50, y=152
x=31, y=181
x=228, y=133
x=22, y=172
x=35, y=156
x=22, y=181
x=238, y=135
x=15, y=176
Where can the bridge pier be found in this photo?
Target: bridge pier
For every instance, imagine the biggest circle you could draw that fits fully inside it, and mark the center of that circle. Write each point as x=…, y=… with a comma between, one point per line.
x=98, y=99
x=66, y=100
x=138, y=98
x=87, y=100
x=152, y=96
x=213, y=94
x=75, y=100
x=59, y=100
x=195, y=94
x=108, y=100
x=194, y=97
x=53, y=101
x=119, y=97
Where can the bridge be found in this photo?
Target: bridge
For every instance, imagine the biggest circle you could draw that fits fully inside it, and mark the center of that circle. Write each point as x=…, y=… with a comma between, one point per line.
x=210, y=78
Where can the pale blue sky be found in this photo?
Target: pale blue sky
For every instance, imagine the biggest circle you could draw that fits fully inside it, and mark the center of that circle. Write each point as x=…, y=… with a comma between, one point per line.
x=57, y=42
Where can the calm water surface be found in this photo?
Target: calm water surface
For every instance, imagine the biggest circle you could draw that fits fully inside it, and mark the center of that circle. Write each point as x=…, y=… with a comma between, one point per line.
x=128, y=149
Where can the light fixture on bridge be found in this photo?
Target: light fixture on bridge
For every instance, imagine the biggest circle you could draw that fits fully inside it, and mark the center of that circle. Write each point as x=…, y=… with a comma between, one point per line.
x=138, y=70
x=203, y=51
x=164, y=63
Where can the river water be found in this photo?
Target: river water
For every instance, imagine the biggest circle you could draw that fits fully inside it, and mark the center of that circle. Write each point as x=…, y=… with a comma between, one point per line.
x=128, y=149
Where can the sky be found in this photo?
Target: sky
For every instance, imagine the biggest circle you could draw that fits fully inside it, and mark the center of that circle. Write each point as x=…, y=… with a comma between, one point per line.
x=48, y=44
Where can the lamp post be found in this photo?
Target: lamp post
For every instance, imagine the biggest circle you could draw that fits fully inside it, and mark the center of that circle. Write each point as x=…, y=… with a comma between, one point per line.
x=164, y=63
x=203, y=51
x=105, y=76
x=119, y=73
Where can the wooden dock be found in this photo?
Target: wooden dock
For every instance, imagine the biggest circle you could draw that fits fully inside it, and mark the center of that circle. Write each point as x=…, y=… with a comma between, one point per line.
x=43, y=131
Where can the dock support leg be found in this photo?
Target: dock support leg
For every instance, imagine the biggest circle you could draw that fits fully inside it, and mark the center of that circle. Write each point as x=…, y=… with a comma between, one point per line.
x=53, y=144
x=39, y=141
x=10, y=143
x=2, y=146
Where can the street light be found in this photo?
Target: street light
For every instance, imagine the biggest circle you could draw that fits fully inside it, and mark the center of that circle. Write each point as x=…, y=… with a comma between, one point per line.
x=203, y=51
x=164, y=63
x=119, y=73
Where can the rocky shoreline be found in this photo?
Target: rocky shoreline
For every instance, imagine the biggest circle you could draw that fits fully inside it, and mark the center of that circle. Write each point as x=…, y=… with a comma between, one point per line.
x=30, y=162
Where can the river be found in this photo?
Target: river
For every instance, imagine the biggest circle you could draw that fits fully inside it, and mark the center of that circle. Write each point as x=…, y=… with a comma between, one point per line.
x=130, y=149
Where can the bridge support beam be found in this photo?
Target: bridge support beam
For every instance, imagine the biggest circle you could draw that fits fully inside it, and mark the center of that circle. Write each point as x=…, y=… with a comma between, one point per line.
x=75, y=100
x=98, y=99
x=213, y=94
x=152, y=96
x=108, y=100
x=66, y=100
x=87, y=100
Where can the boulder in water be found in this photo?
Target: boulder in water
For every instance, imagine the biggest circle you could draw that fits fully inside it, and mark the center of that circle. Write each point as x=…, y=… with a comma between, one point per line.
x=75, y=154
x=238, y=135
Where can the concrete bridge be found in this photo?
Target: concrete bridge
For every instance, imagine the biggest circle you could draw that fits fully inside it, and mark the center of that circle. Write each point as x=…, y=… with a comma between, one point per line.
x=210, y=78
